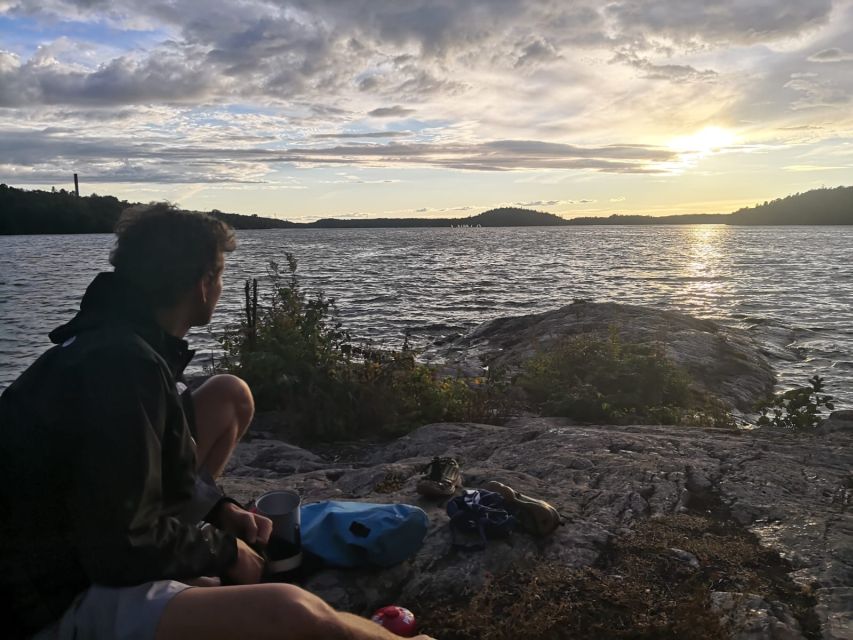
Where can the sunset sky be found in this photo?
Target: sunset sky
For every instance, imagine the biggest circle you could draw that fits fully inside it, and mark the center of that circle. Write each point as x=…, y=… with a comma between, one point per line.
x=355, y=108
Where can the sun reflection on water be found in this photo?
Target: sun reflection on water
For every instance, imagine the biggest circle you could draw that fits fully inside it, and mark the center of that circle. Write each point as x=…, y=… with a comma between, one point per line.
x=707, y=272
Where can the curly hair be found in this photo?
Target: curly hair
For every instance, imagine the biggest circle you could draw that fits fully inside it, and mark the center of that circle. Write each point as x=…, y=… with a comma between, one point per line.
x=165, y=251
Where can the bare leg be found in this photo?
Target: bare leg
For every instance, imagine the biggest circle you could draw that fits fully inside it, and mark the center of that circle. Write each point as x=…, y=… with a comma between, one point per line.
x=258, y=612
x=223, y=410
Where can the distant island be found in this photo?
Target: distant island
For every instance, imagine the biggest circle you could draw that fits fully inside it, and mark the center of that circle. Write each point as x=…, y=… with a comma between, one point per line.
x=46, y=212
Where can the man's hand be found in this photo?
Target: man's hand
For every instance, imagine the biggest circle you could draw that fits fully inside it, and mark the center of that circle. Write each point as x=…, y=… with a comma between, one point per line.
x=249, y=566
x=251, y=527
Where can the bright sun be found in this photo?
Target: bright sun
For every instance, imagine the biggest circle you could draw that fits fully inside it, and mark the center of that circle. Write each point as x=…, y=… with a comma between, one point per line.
x=703, y=142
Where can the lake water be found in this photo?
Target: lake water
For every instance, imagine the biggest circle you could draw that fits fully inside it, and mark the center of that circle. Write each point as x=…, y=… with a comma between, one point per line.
x=791, y=287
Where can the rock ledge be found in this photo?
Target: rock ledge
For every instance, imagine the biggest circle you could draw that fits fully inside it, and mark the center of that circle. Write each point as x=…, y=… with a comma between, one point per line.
x=792, y=491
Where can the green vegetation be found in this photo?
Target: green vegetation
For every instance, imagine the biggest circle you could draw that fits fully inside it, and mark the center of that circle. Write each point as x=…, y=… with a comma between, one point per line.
x=641, y=220
x=603, y=379
x=800, y=408
x=500, y=217
x=819, y=206
x=298, y=359
x=29, y=212
x=62, y=212
x=253, y=221
x=33, y=212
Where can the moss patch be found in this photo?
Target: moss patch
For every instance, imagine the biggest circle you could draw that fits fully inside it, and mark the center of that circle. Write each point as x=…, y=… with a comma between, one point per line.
x=641, y=589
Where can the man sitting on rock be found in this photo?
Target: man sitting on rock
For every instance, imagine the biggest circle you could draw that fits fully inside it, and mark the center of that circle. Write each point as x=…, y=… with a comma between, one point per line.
x=108, y=466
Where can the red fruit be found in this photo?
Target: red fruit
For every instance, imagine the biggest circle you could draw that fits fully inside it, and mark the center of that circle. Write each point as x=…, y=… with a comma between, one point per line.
x=396, y=619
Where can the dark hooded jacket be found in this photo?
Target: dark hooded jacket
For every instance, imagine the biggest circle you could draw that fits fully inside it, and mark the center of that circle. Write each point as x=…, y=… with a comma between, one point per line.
x=96, y=461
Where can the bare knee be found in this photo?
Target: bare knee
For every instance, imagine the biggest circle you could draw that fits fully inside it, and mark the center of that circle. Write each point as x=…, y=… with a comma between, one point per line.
x=307, y=616
x=236, y=393
x=260, y=611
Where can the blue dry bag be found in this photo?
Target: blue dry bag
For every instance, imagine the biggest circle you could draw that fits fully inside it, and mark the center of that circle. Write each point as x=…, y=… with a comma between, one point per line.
x=362, y=534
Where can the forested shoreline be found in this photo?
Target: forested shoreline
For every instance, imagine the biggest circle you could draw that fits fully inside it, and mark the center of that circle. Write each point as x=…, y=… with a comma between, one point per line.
x=52, y=212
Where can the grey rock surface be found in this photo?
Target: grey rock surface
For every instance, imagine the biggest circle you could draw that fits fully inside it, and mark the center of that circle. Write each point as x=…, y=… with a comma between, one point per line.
x=268, y=458
x=723, y=361
x=749, y=617
x=837, y=421
x=794, y=491
x=834, y=612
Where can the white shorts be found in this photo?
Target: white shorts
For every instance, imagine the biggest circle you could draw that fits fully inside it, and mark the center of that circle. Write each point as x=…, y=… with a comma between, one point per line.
x=114, y=613
x=129, y=613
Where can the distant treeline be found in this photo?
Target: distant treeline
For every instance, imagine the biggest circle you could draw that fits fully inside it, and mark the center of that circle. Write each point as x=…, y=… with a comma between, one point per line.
x=820, y=206
x=56, y=212
x=32, y=212
x=503, y=217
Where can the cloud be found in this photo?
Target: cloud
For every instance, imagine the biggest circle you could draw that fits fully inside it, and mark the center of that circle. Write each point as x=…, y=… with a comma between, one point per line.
x=366, y=134
x=507, y=84
x=802, y=127
x=346, y=178
x=833, y=54
x=790, y=87
x=537, y=203
x=551, y=203
x=9, y=62
x=816, y=91
x=127, y=172
x=52, y=157
x=390, y=112
x=673, y=72
x=800, y=168
x=325, y=51
x=501, y=155
x=535, y=148
x=618, y=199
x=348, y=216
x=173, y=79
x=119, y=159
x=535, y=52
x=722, y=21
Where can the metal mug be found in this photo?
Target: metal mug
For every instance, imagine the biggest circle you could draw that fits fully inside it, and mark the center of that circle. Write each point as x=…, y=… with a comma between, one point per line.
x=285, y=545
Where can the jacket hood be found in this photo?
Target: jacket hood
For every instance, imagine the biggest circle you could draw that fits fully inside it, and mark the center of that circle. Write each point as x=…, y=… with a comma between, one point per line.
x=108, y=299
x=111, y=300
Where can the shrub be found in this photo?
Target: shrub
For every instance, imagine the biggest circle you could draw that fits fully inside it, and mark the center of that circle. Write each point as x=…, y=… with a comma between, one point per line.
x=603, y=379
x=297, y=358
x=800, y=408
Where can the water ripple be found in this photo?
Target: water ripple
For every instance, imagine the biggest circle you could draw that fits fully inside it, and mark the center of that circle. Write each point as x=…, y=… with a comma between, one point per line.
x=791, y=287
